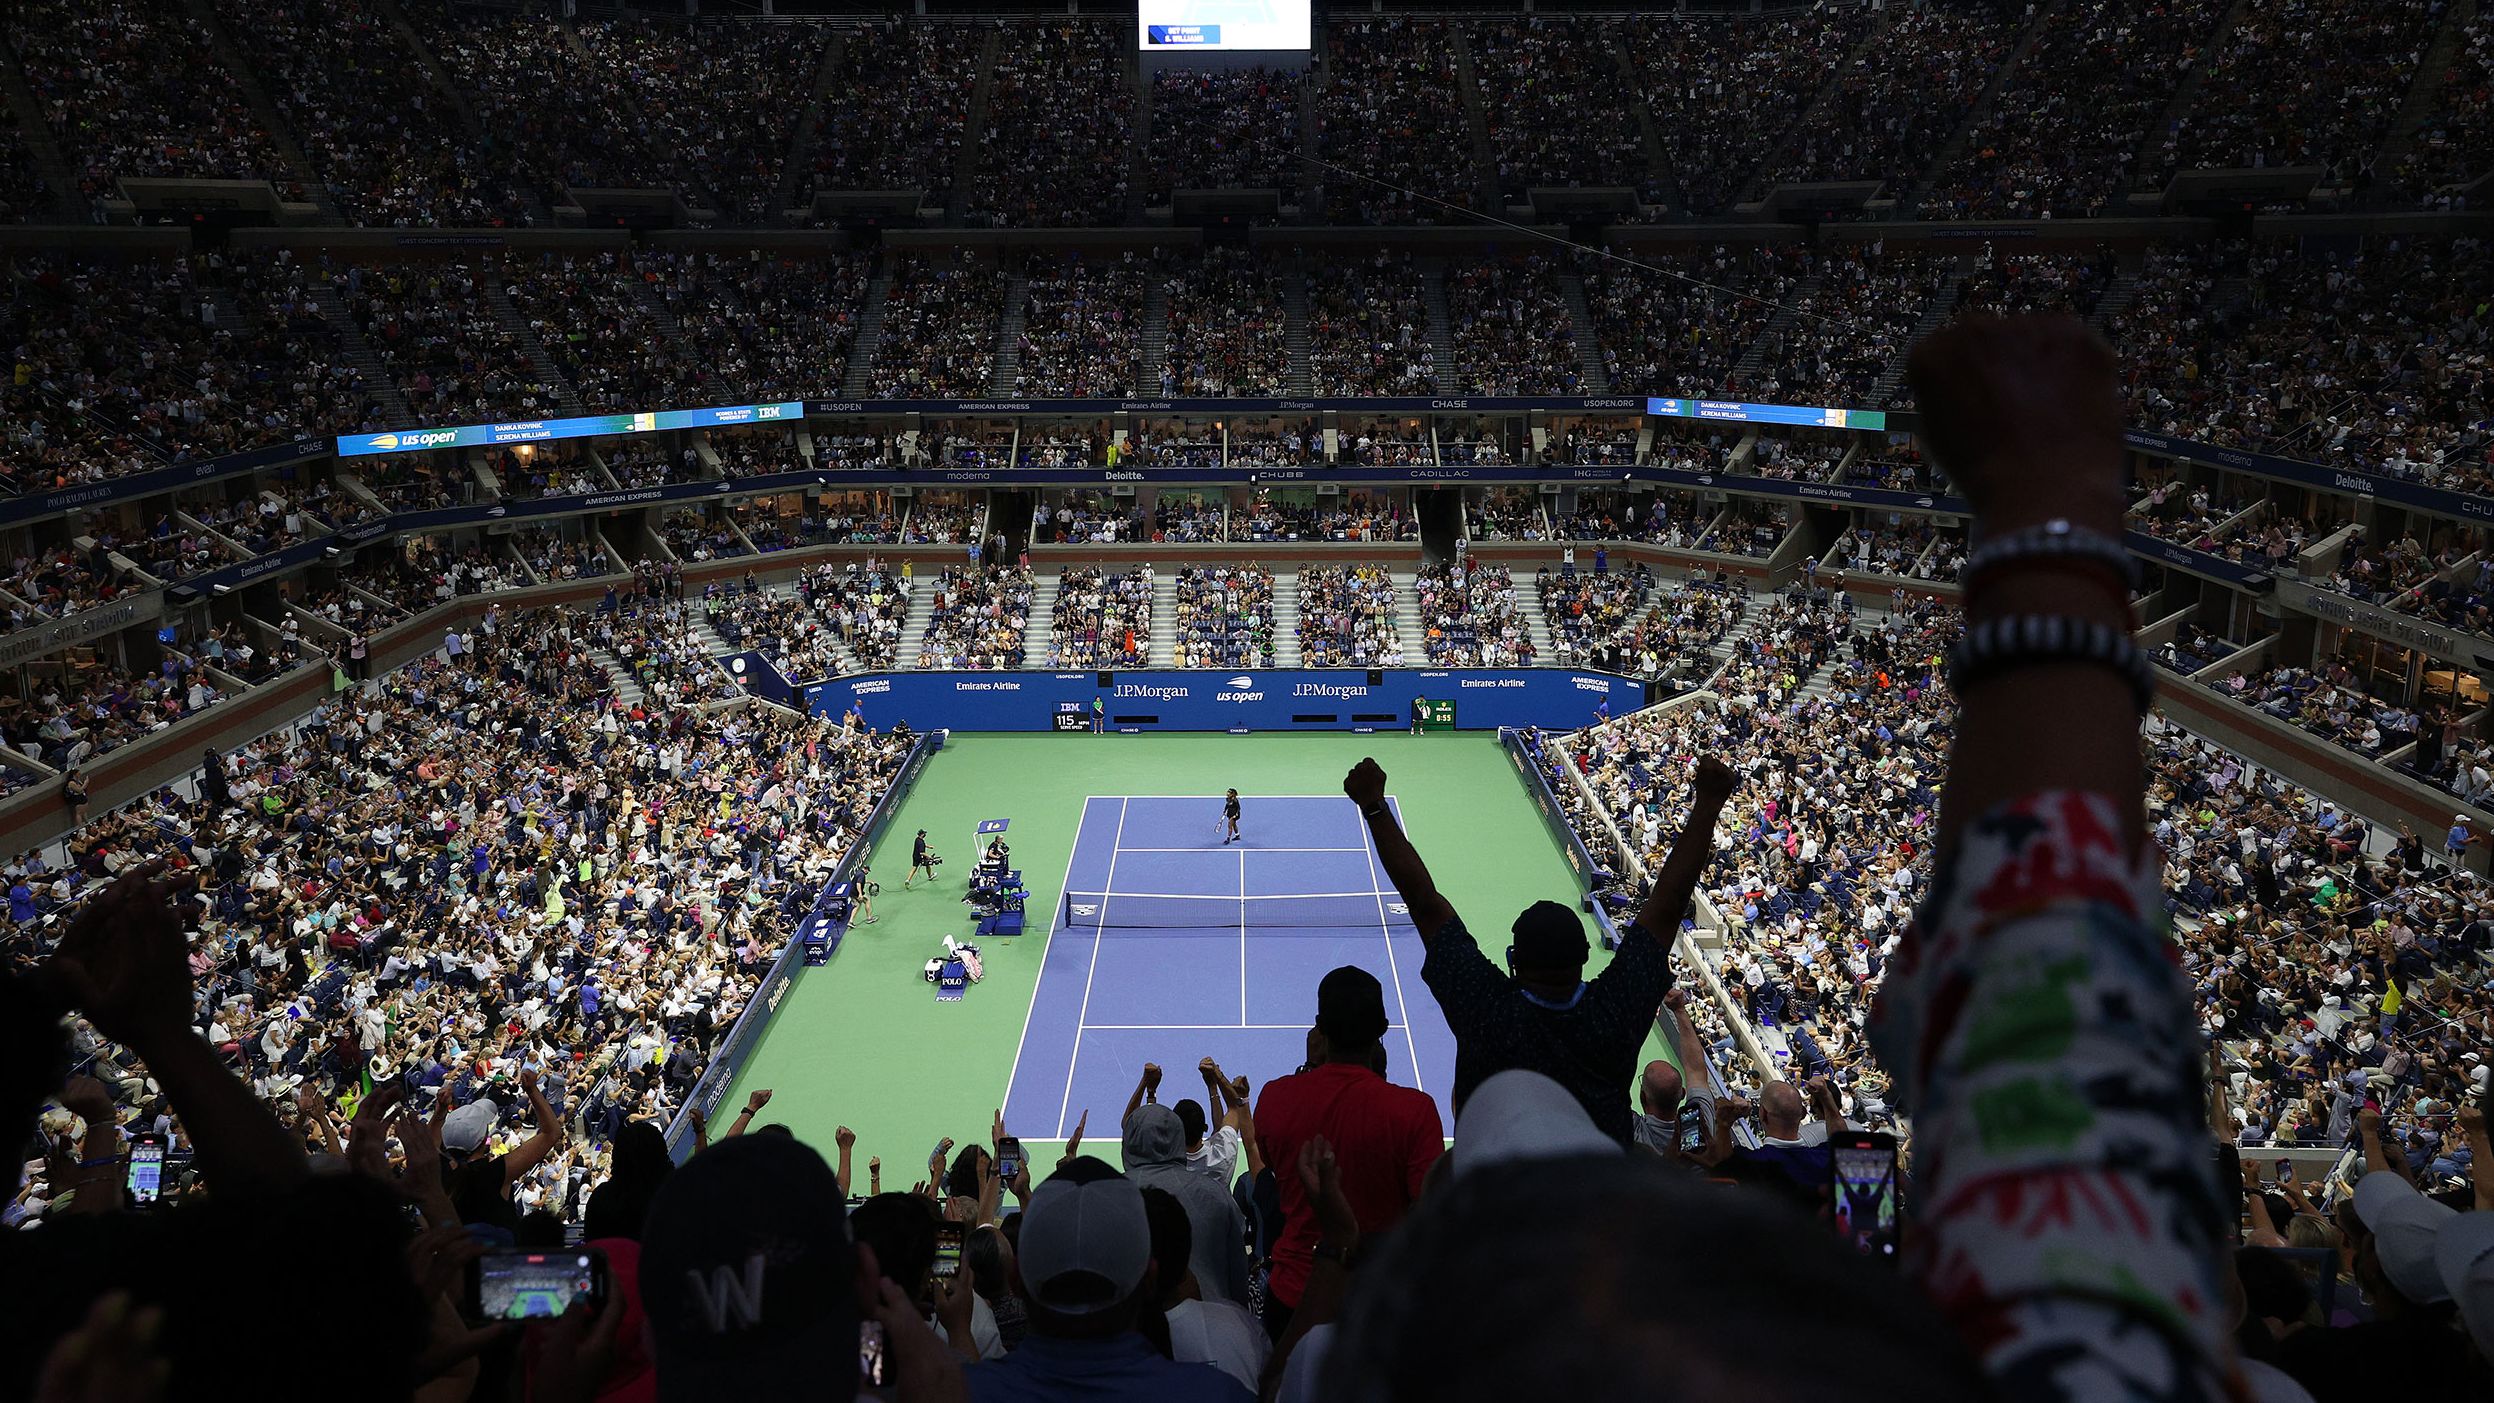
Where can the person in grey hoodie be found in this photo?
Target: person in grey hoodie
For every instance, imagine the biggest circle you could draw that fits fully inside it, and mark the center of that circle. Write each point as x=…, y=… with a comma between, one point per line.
x=1155, y=1156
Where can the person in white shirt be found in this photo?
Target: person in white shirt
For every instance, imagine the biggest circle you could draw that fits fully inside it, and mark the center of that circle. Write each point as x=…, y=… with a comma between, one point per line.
x=1219, y=1333
x=1213, y=1150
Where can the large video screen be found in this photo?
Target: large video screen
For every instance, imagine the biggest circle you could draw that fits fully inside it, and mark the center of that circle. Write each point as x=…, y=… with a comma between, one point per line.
x=1224, y=24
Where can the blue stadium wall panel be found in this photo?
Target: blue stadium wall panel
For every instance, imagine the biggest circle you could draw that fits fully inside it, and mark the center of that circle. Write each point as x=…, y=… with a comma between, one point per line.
x=1277, y=700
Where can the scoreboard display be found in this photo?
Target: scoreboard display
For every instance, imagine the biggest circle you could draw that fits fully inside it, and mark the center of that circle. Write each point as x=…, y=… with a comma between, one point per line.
x=1437, y=714
x=1224, y=24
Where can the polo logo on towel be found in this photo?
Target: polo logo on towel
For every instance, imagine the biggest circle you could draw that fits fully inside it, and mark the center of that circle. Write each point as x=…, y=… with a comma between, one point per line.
x=724, y=1292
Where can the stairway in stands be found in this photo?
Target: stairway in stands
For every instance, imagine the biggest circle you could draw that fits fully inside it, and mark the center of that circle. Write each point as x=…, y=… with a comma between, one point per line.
x=1295, y=318
x=1040, y=630
x=1286, y=619
x=507, y=316
x=446, y=89
x=1536, y=624
x=378, y=382
x=1415, y=634
x=1487, y=196
x=1597, y=377
x=1979, y=113
x=796, y=176
x=1309, y=193
x=1155, y=338
x=627, y=687
x=2150, y=162
x=914, y=627
x=2424, y=95
x=1009, y=337
x=1162, y=650
x=1935, y=314
x=974, y=127
x=1754, y=359
x=263, y=111
x=712, y=641
x=1450, y=379
x=2118, y=294
x=859, y=380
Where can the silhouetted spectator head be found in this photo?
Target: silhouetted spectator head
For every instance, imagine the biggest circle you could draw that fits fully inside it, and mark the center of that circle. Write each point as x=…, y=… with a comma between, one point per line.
x=751, y=1284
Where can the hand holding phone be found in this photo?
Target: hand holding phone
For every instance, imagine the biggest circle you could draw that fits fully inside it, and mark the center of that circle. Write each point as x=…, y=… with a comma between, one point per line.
x=1691, y=1127
x=146, y=1180
x=1863, y=1190
x=526, y=1283
x=870, y=1370
x=948, y=1240
x=1009, y=1159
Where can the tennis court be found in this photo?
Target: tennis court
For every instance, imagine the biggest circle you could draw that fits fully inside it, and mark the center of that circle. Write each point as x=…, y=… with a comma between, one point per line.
x=862, y=1042
x=1170, y=946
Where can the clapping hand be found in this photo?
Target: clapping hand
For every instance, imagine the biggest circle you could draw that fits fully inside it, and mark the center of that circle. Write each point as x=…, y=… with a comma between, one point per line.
x=1320, y=1178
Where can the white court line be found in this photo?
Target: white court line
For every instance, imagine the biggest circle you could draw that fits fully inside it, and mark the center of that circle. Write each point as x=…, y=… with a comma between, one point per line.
x=1097, y=934
x=1244, y=846
x=1242, y=937
x=1201, y=1027
x=1056, y=909
x=1222, y=896
x=1394, y=967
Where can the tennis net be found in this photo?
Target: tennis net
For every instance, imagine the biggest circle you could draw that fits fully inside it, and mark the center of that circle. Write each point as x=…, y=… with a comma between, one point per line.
x=1179, y=911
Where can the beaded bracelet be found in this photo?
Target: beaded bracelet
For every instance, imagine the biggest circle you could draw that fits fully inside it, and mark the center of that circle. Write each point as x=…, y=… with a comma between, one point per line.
x=2021, y=640
x=2056, y=541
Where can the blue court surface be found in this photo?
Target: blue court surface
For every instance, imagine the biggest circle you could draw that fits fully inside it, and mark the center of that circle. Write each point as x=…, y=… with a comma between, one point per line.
x=1170, y=947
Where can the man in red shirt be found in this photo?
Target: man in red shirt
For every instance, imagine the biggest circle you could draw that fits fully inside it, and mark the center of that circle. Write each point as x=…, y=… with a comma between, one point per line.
x=1384, y=1136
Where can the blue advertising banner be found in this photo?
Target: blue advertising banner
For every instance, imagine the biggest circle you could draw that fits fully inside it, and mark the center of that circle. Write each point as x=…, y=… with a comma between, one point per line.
x=2198, y=562
x=1484, y=699
x=2458, y=505
x=1729, y=411
x=171, y=479
x=1382, y=404
x=1732, y=411
x=544, y=430
x=2442, y=502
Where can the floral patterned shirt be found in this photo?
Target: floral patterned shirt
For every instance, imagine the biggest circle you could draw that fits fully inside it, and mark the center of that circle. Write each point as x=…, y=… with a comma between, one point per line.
x=2041, y=1031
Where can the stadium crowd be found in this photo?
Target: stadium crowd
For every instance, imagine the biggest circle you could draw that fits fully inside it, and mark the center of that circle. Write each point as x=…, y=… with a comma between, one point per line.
x=1102, y=619
x=484, y=910
x=1224, y=616
x=1348, y=616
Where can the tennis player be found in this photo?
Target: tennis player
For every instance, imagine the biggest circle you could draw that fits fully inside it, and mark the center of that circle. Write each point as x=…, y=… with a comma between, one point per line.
x=1229, y=818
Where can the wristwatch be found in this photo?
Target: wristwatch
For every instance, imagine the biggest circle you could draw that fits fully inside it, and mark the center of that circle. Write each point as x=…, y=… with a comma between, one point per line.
x=1333, y=1252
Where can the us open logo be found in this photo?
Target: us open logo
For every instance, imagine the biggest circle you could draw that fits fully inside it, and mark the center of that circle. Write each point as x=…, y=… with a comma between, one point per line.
x=1242, y=688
